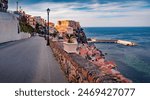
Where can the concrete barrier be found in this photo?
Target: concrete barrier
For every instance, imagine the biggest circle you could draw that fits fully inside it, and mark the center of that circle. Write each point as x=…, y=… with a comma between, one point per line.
x=9, y=28
x=123, y=42
x=127, y=43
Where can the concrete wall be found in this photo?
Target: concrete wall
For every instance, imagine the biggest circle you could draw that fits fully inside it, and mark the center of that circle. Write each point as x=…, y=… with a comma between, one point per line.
x=128, y=43
x=9, y=28
x=79, y=70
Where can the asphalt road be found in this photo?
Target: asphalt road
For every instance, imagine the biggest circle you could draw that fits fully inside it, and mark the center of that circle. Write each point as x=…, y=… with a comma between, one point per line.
x=29, y=61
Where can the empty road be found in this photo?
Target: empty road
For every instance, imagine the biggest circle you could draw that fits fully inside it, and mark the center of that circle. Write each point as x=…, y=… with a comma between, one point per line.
x=29, y=61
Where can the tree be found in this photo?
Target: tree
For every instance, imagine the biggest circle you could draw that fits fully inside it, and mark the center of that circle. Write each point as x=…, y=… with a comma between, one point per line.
x=70, y=38
x=24, y=26
x=23, y=19
x=37, y=28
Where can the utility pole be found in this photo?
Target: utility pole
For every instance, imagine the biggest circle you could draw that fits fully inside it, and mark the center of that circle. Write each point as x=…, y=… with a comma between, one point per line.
x=17, y=5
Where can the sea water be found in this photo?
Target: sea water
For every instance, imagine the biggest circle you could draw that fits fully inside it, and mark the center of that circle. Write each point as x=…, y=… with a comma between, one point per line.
x=133, y=62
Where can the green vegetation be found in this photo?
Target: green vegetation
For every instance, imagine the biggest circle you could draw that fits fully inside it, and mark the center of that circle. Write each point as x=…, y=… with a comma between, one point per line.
x=70, y=38
x=55, y=34
x=24, y=26
x=37, y=28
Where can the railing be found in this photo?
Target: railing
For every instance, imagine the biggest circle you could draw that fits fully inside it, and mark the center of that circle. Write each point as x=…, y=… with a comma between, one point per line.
x=7, y=11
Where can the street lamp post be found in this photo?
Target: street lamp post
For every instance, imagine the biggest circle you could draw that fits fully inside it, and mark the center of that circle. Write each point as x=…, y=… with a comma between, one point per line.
x=17, y=5
x=48, y=10
x=45, y=30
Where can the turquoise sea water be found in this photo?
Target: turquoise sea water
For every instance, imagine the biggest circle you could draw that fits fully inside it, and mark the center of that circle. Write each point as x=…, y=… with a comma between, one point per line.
x=133, y=62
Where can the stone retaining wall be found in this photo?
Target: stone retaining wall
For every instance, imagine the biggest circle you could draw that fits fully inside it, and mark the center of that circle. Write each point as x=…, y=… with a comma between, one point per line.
x=79, y=70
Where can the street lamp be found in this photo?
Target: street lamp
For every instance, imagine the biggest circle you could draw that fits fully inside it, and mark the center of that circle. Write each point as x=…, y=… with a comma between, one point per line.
x=45, y=30
x=17, y=5
x=48, y=10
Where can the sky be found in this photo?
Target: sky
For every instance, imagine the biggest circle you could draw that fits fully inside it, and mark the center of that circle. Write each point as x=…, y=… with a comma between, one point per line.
x=90, y=13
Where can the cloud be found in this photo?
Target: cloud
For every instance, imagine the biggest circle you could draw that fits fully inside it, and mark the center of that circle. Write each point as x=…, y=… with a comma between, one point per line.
x=133, y=13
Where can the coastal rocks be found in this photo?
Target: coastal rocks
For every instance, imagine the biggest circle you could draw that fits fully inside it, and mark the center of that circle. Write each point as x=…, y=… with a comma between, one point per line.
x=95, y=56
x=80, y=70
x=80, y=61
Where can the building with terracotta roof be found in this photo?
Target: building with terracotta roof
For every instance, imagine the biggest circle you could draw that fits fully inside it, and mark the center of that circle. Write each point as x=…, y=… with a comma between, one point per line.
x=31, y=21
x=39, y=20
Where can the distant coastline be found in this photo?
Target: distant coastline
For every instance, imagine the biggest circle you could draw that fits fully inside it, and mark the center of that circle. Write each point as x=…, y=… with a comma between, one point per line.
x=116, y=27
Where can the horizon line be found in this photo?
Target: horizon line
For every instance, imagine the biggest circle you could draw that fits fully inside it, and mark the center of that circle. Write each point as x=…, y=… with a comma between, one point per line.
x=115, y=26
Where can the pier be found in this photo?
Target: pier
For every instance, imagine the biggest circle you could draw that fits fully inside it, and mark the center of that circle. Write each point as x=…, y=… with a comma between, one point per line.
x=123, y=42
